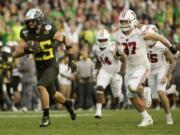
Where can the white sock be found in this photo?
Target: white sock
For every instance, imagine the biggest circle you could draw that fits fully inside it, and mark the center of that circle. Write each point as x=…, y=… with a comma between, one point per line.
x=168, y=115
x=144, y=114
x=98, y=107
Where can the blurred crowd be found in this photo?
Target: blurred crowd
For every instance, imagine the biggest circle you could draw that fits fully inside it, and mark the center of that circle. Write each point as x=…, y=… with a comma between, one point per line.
x=79, y=19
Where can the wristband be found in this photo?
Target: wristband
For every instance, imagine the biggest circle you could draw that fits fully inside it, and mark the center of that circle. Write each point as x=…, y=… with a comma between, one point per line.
x=173, y=49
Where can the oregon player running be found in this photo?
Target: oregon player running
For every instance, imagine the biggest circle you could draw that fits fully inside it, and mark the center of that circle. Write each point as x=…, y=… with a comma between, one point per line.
x=39, y=36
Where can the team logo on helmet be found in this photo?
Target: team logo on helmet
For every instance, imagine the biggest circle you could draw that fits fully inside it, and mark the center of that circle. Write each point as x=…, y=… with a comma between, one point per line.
x=48, y=27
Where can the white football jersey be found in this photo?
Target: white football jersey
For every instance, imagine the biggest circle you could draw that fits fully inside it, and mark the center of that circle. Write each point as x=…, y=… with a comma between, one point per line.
x=134, y=47
x=107, y=57
x=156, y=55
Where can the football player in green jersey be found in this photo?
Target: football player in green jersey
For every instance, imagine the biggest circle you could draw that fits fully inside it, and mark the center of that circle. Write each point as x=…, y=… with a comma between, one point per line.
x=39, y=36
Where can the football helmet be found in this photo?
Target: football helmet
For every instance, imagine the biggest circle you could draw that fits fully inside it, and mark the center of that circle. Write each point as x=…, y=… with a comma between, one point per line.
x=127, y=20
x=6, y=53
x=34, y=18
x=6, y=49
x=103, y=37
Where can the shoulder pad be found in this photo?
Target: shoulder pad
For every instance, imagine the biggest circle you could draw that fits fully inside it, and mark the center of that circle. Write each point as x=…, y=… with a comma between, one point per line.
x=50, y=28
x=116, y=34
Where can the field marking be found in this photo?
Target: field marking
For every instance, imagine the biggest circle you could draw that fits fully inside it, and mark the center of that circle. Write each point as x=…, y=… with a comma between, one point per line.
x=39, y=115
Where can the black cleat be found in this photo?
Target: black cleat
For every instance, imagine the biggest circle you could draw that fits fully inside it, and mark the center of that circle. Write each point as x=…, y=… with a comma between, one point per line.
x=71, y=110
x=97, y=117
x=45, y=122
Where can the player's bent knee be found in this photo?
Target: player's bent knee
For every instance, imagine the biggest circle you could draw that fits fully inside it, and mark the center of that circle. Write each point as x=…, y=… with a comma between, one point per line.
x=161, y=93
x=43, y=89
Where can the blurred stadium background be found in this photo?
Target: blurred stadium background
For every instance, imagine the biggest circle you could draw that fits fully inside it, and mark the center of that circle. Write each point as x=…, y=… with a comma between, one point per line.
x=80, y=19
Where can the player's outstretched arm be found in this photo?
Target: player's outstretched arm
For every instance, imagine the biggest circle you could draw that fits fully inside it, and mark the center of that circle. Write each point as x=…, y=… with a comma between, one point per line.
x=172, y=63
x=162, y=39
x=64, y=39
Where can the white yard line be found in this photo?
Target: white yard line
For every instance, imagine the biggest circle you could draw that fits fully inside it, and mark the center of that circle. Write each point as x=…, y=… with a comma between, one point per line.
x=39, y=115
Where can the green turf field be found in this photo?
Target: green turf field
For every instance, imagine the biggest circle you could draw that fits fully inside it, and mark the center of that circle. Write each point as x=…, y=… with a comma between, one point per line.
x=122, y=122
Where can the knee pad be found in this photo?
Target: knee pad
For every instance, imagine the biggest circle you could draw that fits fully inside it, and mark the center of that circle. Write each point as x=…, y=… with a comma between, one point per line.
x=99, y=90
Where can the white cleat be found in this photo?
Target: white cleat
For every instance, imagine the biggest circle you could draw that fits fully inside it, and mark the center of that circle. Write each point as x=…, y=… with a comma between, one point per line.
x=146, y=122
x=172, y=90
x=173, y=107
x=24, y=109
x=98, y=115
x=147, y=97
x=169, y=120
x=157, y=108
x=14, y=109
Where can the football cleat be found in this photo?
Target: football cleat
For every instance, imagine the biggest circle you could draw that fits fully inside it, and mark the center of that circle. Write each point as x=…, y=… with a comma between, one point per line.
x=14, y=109
x=45, y=122
x=71, y=110
x=171, y=90
x=24, y=109
x=169, y=120
x=147, y=97
x=146, y=122
x=98, y=115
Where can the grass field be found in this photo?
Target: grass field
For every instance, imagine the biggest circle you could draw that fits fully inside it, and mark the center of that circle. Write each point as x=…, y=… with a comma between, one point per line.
x=122, y=122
